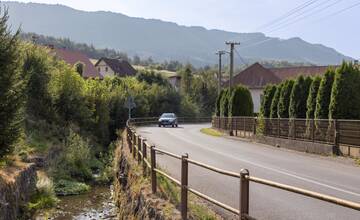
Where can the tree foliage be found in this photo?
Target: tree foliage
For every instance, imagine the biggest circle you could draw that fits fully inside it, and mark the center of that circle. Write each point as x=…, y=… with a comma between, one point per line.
x=324, y=95
x=284, y=100
x=345, y=94
x=266, y=100
x=275, y=102
x=298, y=97
x=11, y=87
x=240, y=102
x=224, y=103
x=311, y=100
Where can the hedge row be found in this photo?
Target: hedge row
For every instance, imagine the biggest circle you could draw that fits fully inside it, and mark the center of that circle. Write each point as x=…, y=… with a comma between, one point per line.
x=336, y=95
x=234, y=102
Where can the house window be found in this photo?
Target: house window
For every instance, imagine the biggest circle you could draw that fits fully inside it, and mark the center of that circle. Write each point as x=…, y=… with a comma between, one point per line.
x=106, y=69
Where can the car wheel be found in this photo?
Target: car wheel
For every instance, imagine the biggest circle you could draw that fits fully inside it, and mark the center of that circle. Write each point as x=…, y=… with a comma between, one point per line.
x=159, y=125
x=176, y=125
x=172, y=125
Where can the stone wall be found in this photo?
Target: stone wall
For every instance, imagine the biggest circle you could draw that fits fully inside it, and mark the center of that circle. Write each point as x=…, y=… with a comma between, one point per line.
x=17, y=184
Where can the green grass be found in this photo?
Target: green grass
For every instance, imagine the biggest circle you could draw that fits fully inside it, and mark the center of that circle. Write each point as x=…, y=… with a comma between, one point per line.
x=212, y=132
x=357, y=161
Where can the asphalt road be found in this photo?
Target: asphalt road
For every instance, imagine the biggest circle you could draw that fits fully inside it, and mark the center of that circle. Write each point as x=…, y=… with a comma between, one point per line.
x=316, y=173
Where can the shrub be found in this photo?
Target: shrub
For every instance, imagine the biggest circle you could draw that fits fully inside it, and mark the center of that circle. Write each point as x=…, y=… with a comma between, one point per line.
x=311, y=101
x=324, y=95
x=224, y=103
x=266, y=100
x=298, y=97
x=240, y=102
x=284, y=100
x=275, y=102
x=74, y=160
x=69, y=187
x=45, y=196
x=345, y=94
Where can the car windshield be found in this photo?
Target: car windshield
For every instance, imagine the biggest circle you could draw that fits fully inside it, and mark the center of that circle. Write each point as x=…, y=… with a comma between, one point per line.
x=168, y=115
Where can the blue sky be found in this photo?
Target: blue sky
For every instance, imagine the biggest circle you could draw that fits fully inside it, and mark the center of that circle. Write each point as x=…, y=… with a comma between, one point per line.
x=319, y=22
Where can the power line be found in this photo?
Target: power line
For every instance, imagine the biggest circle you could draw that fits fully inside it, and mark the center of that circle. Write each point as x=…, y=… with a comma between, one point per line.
x=288, y=14
x=303, y=17
x=340, y=11
x=242, y=60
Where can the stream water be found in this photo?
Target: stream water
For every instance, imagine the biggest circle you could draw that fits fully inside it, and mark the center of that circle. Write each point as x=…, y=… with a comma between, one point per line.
x=96, y=204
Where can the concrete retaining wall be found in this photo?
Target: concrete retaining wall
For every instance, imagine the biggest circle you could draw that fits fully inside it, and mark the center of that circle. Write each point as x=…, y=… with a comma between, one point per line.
x=304, y=146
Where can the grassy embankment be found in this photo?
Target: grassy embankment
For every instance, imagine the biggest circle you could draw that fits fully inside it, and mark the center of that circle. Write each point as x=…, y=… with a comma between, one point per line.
x=212, y=132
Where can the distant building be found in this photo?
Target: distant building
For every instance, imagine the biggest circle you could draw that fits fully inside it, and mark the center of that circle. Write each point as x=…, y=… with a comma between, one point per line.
x=175, y=81
x=256, y=77
x=77, y=59
x=114, y=67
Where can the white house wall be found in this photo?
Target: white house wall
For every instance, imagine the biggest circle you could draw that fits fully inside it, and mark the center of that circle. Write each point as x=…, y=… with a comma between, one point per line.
x=101, y=67
x=256, y=94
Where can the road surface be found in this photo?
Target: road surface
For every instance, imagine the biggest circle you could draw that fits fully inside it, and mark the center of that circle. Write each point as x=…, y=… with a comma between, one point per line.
x=316, y=173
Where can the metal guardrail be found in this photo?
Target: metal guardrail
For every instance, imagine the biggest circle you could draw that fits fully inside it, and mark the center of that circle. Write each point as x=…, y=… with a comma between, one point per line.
x=139, y=147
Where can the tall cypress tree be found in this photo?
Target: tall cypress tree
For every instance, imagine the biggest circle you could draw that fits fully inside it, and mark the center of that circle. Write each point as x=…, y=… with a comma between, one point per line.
x=224, y=103
x=298, y=97
x=11, y=87
x=218, y=103
x=311, y=101
x=275, y=102
x=266, y=100
x=240, y=102
x=345, y=94
x=324, y=94
x=284, y=100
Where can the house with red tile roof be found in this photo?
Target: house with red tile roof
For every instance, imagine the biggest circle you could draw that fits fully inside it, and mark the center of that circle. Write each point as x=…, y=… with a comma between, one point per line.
x=115, y=67
x=74, y=58
x=256, y=77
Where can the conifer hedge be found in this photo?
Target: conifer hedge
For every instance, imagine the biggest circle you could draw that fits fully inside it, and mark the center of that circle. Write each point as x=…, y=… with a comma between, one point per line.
x=324, y=94
x=275, y=102
x=240, y=102
x=298, y=97
x=224, y=103
x=266, y=100
x=311, y=101
x=345, y=94
x=284, y=100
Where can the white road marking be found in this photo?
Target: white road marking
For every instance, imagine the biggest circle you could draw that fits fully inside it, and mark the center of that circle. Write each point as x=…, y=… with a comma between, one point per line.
x=265, y=167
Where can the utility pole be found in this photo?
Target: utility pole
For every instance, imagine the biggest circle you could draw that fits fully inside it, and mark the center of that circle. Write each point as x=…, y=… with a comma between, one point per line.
x=220, y=53
x=232, y=46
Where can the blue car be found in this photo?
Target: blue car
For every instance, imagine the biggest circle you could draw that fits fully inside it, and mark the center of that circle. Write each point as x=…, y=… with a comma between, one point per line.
x=168, y=119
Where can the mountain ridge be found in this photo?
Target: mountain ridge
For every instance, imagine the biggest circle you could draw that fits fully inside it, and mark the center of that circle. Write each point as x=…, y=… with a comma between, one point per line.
x=161, y=40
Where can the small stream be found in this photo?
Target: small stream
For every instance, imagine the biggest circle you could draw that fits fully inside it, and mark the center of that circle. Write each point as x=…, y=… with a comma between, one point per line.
x=96, y=204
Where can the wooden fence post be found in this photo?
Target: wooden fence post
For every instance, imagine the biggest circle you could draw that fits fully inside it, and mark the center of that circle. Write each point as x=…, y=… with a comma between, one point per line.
x=313, y=130
x=244, y=194
x=184, y=186
x=336, y=135
x=134, y=146
x=244, y=121
x=144, y=152
x=139, y=149
x=254, y=126
x=153, y=166
x=278, y=126
x=294, y=127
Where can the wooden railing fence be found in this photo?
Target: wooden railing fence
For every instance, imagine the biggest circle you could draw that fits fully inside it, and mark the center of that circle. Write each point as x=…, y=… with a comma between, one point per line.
x=139, y=148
